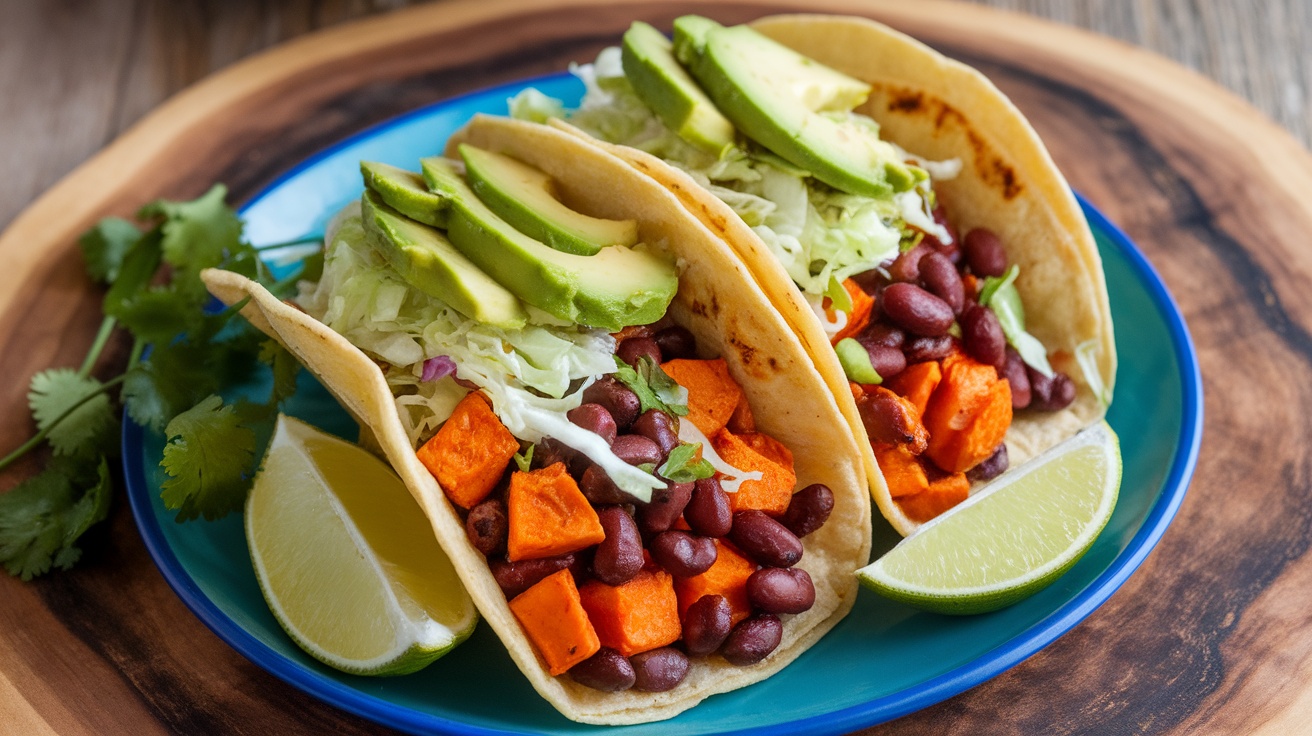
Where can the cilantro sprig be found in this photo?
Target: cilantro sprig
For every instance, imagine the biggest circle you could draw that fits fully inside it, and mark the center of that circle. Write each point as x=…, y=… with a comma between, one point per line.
x=654, y=387
x=156, y=296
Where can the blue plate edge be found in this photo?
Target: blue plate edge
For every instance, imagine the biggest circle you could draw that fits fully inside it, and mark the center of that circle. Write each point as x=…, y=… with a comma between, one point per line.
x=873, y=712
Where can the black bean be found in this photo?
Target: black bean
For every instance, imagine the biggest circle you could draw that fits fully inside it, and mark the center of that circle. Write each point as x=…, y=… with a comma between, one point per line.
x=488, y=526
x=619, y=556
x=940, y=277
x=517, y=577
x=922, y=349
x=618, y=399
x=706, y=624
x=600, y=489
x=753, y=639
x=982, y=334
x=879, y=333
x=658, y=427
x=984, y=253
x=676, y=342
x=995, y=465
x=632, y=349
x=709, y=512
x=659, y=670
x=548, y=452
x=808, y=509
x=607, y=670
x=1016, y=375
x=886, y=361
x=663, y=510
x=635, y=449
x=765, y=540
x=779, y=590
x=683, y=555
x=906, y=267
x=1050, y=394
x=594, y=418
x=915, y=310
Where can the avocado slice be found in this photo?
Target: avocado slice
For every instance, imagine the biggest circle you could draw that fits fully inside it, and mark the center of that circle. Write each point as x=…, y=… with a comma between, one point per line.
x=615, y=288
x=797, y=108
x=664, y=86
x=524, y=197
x=404, y=191
x=690, y=36
x=428, y=262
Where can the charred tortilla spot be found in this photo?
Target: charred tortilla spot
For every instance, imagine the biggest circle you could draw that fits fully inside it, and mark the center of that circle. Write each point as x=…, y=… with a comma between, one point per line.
x=715, y=306
x=698, y=308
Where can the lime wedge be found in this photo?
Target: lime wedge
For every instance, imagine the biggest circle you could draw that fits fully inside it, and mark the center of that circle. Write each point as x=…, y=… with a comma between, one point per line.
x=346, y=559
x=1010, y=539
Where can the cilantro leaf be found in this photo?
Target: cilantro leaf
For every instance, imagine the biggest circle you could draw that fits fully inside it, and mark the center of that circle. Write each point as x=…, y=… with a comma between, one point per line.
x=105, y=245
x=209, y=458
x=135, y=273
x=285, y=369
x=197, y=234
x=42, y=518
x=89, y=430
x=525, y=459
x=654, y=387
x=160, y=314
x=177, y=376
x=685, y=465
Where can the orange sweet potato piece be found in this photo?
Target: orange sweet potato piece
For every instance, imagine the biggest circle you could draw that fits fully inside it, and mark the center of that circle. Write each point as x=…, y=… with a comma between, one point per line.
x=917, y=383
x=902, y=470
x=549, y=515
x=742, y=420
x=469, y=454
x=942, y=494
x=774, y=490
x=638, y=616
x=553, y=617
x=727, y=577
x=968, y=414
x=862, y=305
x=713, y=395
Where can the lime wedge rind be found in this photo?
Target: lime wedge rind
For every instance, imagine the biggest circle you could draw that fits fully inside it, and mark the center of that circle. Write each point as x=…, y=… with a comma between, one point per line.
x=989, y=558
x=335, y=594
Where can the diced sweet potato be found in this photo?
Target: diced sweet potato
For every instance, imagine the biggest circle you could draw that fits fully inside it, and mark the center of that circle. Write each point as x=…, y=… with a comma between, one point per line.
x=774, y=490
x=469, y=454
x=553, y=617
x=713, y=395
x=638, y=616
x=942, y=494
x=742, y=420
x=862, y=305
x=917, y=383
x=549, y=515
x=902, y=470
x=968, y=415
x=727, y=577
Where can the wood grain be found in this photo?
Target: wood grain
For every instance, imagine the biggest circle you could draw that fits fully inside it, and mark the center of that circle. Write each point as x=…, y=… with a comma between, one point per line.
x=1211, y=636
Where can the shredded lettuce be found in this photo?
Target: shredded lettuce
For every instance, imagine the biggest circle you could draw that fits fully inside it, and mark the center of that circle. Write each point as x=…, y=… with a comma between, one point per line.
x=731, y=477
x=532, y=376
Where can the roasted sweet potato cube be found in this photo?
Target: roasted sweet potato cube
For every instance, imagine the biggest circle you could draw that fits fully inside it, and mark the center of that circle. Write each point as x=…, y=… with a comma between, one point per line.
x=469, y=454
x=727, y=577
x=554, y=619
x=713, y=395
x=638, y=616
x=549, y=515
x=774, y=490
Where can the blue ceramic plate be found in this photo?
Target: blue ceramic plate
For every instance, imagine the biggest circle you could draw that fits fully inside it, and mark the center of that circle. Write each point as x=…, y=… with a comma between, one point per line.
x=883, y=661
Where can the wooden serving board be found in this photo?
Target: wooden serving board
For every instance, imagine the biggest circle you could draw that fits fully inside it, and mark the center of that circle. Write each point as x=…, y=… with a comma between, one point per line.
x=1211, y=635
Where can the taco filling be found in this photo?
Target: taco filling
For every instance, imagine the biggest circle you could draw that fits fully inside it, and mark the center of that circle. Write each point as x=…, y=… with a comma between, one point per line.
x=927, y=325
x=589, y=411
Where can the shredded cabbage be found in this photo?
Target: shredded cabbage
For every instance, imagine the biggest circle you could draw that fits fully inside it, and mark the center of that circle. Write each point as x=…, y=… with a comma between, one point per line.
x=532, y=376
x=819, y=234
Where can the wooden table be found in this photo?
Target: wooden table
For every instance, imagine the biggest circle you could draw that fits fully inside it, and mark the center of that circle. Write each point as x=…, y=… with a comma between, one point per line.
x=1211, y=635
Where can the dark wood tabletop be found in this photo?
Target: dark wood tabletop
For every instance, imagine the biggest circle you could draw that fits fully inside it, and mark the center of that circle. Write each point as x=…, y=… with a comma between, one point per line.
x=1211, y=635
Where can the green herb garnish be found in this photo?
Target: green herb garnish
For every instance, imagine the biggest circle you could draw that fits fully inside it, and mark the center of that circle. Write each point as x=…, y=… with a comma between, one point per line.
x=212, y=446
x=684, y=466
x=654, y=387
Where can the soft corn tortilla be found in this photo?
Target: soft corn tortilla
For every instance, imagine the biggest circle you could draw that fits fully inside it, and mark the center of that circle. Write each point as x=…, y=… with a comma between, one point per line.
x=939, y=109
x=730, y=317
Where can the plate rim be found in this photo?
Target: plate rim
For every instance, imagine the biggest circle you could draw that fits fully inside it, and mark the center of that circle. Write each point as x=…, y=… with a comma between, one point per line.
x=873, y=712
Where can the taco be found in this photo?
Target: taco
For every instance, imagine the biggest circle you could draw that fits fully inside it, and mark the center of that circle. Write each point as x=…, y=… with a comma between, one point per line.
x=503, y=406
x=902, y=216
